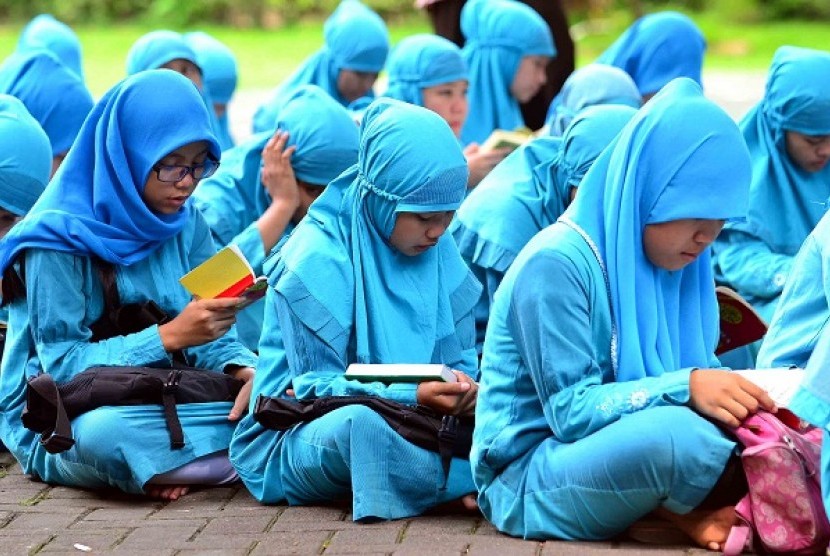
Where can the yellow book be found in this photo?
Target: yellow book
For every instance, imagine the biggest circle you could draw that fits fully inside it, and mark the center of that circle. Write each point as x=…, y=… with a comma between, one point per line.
x=501, y=138
x=226, y=274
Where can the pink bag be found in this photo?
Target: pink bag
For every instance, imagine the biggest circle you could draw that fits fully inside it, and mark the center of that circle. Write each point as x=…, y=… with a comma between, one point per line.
x=783, y=511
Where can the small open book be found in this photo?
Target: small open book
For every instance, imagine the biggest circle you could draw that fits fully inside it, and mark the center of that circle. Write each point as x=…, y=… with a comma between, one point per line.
x=780, y=383
x=501, y=138
x=226, y=274
x=739, y=323
x=377, y=372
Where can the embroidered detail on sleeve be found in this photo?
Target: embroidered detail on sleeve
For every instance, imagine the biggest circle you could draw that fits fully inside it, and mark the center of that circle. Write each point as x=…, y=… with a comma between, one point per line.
x=779, y=279
x=624, y=403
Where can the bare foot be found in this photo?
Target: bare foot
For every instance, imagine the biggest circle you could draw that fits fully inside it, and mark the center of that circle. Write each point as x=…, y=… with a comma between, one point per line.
x=166, y=492
x=708, y=528
x=469, y=502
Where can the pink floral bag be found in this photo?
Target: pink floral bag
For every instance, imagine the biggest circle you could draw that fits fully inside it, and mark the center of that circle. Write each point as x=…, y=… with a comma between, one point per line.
x=783, y=511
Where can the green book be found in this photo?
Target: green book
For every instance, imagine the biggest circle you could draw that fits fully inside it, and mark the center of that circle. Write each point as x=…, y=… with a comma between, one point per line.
x=399, y=372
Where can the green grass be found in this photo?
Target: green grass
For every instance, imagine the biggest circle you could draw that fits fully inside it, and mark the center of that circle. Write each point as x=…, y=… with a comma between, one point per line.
x=267, y=56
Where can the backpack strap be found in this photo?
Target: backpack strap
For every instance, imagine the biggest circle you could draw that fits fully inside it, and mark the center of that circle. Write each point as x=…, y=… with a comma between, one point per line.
x=57, y=438
x=171, y=416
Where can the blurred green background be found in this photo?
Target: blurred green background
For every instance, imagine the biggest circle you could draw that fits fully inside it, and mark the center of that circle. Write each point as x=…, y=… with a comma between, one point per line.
x=271, y=37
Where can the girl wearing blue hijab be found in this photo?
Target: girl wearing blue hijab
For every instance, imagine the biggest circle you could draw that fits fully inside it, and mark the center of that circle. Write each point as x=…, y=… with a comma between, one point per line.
x=54, y=94
x=46, y=32
x=168, y=49
x=508, y=45
x=597, y=389
x=368, y=276
x=525, y=194
x=788, y=134
x=219, y=64
x=656, y=49
x=592, y=85
x=356, y=43
x=265, y=185
x=121, y=197
x=429, y=71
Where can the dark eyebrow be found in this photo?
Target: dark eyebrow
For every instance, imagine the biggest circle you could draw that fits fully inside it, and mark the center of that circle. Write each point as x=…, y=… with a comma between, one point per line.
x=178, y=157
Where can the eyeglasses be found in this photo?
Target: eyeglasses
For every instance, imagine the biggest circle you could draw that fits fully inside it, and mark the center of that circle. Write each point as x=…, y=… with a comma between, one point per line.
x=172, y=173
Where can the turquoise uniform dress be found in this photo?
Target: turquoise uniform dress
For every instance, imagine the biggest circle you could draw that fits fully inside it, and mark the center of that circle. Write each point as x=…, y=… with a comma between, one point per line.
x=93, y=207
x=755, y=256
x=526, y=193
x=339, y=295
x=46, y=32
x=53, y=93
x=233, y=199
x=657, y=48
x=582, y=422
x=498, y=33
x=355, y=38
x=592, y=85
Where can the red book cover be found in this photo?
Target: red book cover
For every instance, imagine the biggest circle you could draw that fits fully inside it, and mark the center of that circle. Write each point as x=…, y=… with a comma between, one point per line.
x=739, y=323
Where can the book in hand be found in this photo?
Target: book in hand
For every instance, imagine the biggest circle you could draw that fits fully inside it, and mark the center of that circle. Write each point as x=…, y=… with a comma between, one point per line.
x=780, y=383
x=399, y=372
x=739, y=323
x=226, y=274
x=502, y=138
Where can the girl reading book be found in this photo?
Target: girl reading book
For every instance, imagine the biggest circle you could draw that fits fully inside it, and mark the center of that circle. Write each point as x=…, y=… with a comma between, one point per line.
x=598, y=400
x=368, y=276
x=120, y=200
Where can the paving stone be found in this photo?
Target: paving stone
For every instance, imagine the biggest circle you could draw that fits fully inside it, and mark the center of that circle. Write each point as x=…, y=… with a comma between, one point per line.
x=96, y=540
x=22, y=544
x=444, y=524
x=163, y=537
x=500, y=546
x=195, y=524
x=312, y=514
x=294, y=542
x=366, y=537
x=50, y=522
x=125, y=514
x=234, y=525
x=215, y=542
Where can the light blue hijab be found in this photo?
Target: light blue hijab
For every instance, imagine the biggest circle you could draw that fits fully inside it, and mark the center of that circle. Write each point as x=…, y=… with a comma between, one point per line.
x=25, y=157
x=396, y=308
x=657, y=48
x=422, y=61
x=355, y=38
x=499, y=33
x=786, y=202
x=680, y=157
x=46, y=32
x=592, y=85
x=530, y=189
x=324, y=134
x=52, y=93
x=93, y=205
x=219, y=66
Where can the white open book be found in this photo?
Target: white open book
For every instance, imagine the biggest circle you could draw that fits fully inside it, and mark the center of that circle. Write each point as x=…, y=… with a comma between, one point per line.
x=420, y=372
x=780, y=383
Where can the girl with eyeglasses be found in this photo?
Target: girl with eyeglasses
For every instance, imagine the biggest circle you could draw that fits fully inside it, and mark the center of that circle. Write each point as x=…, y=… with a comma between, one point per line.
x=120, y=202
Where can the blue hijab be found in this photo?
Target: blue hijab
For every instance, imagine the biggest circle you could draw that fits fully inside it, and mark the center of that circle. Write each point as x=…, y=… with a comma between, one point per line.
x=499, y=33
x=93, y=205
x=355, y=38
x=786, y=202
x=680, y=157
x=422, y=61
x=396, y=308
x=592, y=85
x=25, y=157
x=219, y=66
x=657, y=48
x=530, y=189
x=52, y=93
x=324, y=134
x=46, y=32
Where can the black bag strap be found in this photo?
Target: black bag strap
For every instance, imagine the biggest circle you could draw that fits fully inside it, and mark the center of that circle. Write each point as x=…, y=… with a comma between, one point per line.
x=171, y=416
x=57, y=438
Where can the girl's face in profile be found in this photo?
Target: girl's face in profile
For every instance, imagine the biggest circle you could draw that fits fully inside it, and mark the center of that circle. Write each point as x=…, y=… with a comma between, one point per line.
x=416, y=232
x=186, y=68
x=810, y=152
x=448, y=100
x=164, y=196
x=530, y=77
x=672, y=245
x=355, y=84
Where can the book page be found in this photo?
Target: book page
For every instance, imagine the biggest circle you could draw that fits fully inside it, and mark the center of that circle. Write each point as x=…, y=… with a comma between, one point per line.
x=220, y=272
x=781, y=383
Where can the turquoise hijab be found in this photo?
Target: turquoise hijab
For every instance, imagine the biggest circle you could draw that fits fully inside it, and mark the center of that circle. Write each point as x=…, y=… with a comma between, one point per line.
x=395, y=308
x=25, y=157
x=46, y=32
x=657, y=48
x=355, y=38
x=592, y=85
x=680, y=157
x=324, y=134
x=54, y=94
x=786, y=202
x=219, y=66
x=531, y=188
x=499, y=33
x=93, y=205
x=422, y=61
